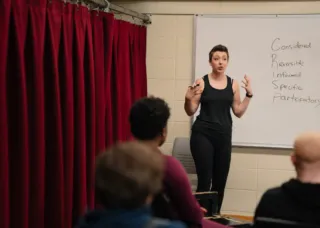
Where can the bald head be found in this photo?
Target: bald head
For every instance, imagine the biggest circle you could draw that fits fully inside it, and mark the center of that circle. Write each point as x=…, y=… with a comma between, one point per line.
x=307, y=147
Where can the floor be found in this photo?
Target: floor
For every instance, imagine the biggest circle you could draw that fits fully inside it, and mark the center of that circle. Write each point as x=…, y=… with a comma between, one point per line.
x=233, y=220
x=247, y=218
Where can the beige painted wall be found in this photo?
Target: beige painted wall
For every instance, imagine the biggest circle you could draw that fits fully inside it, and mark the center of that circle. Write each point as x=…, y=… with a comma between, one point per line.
x=169, y=65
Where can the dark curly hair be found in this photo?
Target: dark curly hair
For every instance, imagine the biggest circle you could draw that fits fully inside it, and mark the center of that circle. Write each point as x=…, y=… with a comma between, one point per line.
x=148, y=117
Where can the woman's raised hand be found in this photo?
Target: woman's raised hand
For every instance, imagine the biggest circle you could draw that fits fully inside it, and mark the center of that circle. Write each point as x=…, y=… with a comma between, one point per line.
x=247, y=84
x=194, y=90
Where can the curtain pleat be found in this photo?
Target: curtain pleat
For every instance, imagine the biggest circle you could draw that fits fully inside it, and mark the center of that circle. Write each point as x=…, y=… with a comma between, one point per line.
x=110, y=35
x=4, y=121
x=67, y=107
x=54, y=165
x=80, y=165
x=17, y=111
x=34, y=50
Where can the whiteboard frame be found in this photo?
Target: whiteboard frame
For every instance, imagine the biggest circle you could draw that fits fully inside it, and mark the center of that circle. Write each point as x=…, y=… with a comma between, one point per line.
x=195, y=16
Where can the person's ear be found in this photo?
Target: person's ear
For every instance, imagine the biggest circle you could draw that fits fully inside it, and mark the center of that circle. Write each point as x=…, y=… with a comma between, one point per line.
x=164, y=132
x=293, y=159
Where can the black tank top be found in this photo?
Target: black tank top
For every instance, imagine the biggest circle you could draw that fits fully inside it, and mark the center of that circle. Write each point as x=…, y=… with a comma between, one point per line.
x=215, y=109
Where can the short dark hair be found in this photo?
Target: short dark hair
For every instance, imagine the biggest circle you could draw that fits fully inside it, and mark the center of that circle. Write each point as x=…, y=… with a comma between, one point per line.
x=148, y=117
x=126, y=174
x=220, y=48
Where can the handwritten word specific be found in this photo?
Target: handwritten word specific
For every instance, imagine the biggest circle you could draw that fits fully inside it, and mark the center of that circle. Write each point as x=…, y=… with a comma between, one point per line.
x=281, y=86
x=296, y=99
x=278, y=46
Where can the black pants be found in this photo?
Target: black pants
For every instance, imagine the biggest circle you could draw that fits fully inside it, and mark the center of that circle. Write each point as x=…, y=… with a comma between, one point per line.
x=212, y=156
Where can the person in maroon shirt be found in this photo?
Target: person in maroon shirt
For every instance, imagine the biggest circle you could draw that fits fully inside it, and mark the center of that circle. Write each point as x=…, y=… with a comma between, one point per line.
x=148, y=122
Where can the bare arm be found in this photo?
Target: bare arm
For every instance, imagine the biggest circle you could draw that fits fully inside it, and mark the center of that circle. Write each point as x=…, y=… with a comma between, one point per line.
x=191, y=106
x=238, y=107
x=192, y=98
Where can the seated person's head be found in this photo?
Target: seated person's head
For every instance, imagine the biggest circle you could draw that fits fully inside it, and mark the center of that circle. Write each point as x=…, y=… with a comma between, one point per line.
x=128, y=175
x=306, y=155
x=149, y=118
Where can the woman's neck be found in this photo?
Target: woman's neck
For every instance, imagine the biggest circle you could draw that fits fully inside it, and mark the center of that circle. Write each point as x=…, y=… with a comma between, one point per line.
x=217, y=76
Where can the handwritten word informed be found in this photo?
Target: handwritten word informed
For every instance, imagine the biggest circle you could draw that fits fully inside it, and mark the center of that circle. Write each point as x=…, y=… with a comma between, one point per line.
x=278, y=46
x=296, y=99
x=285, y=74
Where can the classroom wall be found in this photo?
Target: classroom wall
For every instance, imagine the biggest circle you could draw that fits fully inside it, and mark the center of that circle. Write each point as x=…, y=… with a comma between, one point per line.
x=169, y=66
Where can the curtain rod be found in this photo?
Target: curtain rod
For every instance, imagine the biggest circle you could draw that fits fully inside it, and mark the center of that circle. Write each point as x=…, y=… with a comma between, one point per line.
x=109, y=6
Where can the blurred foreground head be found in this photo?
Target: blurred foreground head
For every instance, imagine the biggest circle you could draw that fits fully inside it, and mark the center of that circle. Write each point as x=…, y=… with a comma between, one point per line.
x=127, y=175
x=306, y=155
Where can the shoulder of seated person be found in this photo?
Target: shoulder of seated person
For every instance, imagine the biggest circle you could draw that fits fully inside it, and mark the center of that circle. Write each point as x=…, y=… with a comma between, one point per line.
x=176, y=224
x=165, y=223
x=174, y=168
x=170, y=160
x=274, y=191
x=272, y=194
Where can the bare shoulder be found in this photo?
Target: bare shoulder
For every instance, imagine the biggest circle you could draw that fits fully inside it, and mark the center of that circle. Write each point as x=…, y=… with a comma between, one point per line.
x=199, y=80
x=235, y=85
x=234, y=82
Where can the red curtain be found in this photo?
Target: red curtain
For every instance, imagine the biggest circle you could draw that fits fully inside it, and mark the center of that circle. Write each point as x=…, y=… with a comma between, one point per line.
x=68, y=77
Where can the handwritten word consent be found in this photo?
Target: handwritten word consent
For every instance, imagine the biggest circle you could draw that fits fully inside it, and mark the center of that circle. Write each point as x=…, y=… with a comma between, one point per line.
x=278, y=46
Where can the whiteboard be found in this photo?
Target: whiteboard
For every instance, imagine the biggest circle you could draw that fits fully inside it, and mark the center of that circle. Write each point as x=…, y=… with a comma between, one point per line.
x=281, y=54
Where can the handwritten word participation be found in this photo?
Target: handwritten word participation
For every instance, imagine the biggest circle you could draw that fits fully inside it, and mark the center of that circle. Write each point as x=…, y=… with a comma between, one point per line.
x=293, y=98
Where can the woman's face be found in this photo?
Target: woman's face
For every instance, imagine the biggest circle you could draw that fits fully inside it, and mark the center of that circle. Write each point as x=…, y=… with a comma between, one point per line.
x=219, y=61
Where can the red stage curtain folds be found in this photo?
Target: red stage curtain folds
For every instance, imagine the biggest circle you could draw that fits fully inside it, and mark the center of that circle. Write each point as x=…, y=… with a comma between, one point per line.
x=68, y=77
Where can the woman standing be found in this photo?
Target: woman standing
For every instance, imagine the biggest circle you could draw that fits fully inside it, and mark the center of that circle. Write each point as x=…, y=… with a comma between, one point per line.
x=212, y=131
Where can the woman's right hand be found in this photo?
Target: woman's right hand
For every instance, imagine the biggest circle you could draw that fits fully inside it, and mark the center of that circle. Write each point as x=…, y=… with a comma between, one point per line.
x=193, y=95
x=193, y=91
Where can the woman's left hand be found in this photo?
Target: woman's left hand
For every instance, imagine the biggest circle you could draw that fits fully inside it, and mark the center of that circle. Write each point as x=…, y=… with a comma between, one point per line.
x=247, y=84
